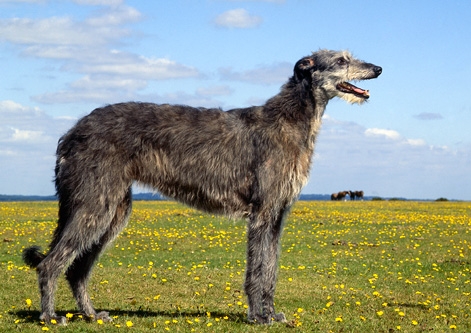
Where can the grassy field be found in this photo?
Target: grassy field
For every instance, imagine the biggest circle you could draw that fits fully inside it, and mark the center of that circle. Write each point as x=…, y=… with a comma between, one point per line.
x=345, y=267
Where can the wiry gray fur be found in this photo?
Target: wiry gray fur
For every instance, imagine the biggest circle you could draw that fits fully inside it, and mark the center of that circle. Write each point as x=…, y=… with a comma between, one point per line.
x=250, y=163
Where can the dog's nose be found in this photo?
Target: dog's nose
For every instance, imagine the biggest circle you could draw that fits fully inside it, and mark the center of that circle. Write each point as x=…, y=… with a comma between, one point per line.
x=378, y=70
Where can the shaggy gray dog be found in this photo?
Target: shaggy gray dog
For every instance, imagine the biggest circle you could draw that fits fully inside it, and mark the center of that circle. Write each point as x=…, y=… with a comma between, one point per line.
x=249, y=163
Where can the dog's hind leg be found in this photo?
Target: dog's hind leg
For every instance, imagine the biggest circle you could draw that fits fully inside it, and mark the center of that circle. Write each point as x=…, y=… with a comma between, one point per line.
x=79, y=272
x=48, y=272
x=263, y=236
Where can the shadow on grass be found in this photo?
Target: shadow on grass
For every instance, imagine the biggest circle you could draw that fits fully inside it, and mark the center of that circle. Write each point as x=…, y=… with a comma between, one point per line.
x=409, y=305
x=32, y=316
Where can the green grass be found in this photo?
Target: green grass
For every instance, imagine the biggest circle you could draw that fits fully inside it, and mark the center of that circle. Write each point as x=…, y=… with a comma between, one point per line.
x=345, y=267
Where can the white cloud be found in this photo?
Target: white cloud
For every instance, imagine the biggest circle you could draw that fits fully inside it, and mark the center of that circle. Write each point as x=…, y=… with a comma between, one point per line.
x=118, y=16
x=99, y=82
x=142, y=67
x=214, y=91
x=416, y=142
x=28, y=140
x=277, y=73
x=117, y=79
x=87, y=47
x=25, y=128
x=237, y=18
x=28, y=136
x=390, y=134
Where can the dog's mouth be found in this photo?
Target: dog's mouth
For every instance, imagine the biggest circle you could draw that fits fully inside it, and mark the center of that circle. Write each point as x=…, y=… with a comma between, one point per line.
x=349, y=88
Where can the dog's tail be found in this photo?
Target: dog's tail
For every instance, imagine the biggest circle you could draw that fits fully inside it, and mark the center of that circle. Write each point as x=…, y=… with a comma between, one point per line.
x=32, y=256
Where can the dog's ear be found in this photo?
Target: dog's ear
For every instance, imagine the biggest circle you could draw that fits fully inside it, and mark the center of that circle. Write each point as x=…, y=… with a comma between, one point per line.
x=302, y=69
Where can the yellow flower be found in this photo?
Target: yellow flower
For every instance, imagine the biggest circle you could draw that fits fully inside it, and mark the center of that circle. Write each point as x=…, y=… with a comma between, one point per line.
x=45, y=328
x=99, y=322
x=28, y=302
x=380, y=313
x=339, y=319
x=453, y=327
x=415, y=323
x=69, y=315
x=129, y=323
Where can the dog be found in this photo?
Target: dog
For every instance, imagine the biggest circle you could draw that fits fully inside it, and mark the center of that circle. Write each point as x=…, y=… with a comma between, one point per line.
x=244, y=163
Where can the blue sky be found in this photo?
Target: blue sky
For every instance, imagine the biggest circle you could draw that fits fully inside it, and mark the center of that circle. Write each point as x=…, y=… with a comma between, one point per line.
x=62, y=59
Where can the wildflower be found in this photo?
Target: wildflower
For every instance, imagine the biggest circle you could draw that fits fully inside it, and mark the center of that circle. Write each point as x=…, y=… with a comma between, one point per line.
x=415, y=323
x=28, y=302
x=300, y=310
x=339, y=319
x=453, y=327
x=69, y=315
x=129, y=323
x=209, y=324
x=45, y=328
x=380, y=313
x=99, y=322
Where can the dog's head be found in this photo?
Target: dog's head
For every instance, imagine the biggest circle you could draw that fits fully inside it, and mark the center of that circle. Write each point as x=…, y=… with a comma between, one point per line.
x=328, y=72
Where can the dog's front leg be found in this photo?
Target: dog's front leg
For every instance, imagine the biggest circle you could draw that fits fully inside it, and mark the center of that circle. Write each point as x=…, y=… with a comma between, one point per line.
x=263, y=237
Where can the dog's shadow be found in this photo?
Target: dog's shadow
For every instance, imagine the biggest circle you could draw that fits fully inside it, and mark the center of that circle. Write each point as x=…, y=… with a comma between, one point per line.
x=32, y=316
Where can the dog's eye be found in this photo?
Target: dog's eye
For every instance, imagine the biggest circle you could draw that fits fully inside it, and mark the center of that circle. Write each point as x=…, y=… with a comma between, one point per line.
x=341, y=61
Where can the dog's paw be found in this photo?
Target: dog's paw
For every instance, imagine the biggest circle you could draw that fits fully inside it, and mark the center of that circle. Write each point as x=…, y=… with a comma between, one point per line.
x=105, y=316
x=53, y=319
x=280, y=317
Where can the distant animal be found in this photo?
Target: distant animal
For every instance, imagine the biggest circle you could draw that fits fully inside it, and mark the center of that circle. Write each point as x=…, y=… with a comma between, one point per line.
x=248, y=162
x=339, y=196
x=352, y=195
x=359, y=195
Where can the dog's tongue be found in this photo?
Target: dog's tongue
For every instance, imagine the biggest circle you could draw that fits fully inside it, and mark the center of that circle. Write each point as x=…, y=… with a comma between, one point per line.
x=348, y=87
